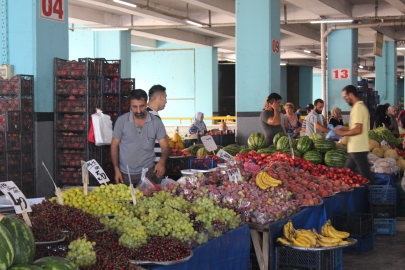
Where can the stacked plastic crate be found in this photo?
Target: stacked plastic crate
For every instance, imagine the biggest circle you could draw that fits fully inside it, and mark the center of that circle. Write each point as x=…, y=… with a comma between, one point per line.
x=370, y=98
x=382, y=200
x=77, y=95
x=17, y=132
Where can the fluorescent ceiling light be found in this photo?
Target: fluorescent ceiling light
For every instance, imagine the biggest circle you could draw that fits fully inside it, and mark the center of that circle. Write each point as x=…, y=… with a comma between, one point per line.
x=401, y=48
x=231, y=60
x=360, y=66
x=283, y=64
x=194, y=23
x=306, y=51
x=125, y=3
x=333, y=21
x=110, y=29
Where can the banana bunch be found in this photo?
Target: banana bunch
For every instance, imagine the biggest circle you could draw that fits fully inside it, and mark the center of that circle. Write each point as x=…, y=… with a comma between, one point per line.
x=330, y=237
x=264, y=181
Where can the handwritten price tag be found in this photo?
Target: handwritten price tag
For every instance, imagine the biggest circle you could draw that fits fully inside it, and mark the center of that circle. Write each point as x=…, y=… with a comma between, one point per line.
x=384, y=143
x=234, y=175
x=209, y=143
x=95, y=169
x=224, y=155
x=16, y=196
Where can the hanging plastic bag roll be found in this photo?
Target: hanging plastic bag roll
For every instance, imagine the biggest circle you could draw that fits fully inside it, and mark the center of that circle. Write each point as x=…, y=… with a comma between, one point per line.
x=102, y=126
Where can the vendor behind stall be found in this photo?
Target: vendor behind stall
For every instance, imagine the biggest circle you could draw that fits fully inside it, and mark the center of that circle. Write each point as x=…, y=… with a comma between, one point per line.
x=392, y=114
x=134, y=141
x=197, y=126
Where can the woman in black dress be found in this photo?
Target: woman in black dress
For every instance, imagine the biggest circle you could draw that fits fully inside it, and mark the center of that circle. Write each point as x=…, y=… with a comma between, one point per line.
x=336, y=119
x=381, y=117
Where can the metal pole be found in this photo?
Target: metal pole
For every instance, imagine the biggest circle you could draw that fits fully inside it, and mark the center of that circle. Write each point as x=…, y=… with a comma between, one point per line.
x=323, y=68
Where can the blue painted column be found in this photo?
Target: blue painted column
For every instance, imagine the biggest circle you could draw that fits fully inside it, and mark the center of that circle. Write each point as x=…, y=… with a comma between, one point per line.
x=386, y=74
x=257, y=69
x=342, y=54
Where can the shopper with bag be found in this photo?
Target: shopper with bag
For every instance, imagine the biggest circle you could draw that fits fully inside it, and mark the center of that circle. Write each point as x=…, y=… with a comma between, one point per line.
x=358, y=146
x=134, y=141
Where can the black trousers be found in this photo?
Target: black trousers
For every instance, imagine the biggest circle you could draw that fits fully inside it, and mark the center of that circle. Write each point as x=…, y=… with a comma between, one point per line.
x=135, y=178
x=359, y=161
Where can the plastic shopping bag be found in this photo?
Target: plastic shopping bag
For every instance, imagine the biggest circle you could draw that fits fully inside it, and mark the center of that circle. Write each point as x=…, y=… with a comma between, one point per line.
x=102, y=126
x=331, y=136
x=145, y=185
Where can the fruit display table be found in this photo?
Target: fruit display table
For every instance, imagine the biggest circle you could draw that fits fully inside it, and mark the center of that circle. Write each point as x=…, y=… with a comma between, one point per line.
x=229, y=251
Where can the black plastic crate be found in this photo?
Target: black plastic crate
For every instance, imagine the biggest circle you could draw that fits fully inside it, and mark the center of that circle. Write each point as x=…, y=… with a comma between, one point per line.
x=319, y=260
x=27, y=141
x=364, y=243
x=70, y=157
x=223, y=138
x=82, y=86
x=27, y=122
x=383, y=210
x=19, y=84
x=190, y=142
x=28, y=187
x=111, y=85
x=10, y=121
x=174, y=165
x=13, y=161
x=127, y=85
x=15, y=177
x=111, y=103
x=354, y=223
x=71, y=122
x=106, y=155
x=73, y=69
x=69, y=175
x=13, y=141
x=71, y=104
x=381, y=194
x=125, y=104
x=3, y=162
x=111, y=68
x=27, y=160
x=17, y=103
x=71, y=140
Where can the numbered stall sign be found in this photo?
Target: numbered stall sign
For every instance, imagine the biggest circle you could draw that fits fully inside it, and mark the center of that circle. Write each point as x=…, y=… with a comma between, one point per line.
x=275, y=46
x=234, y=175
x=341, y=74
x=16, y=196
x=52, y=10
x=96, y=170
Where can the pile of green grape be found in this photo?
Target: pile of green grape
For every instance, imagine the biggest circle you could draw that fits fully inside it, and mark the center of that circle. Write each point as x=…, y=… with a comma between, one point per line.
x=133, y=237
x=81, y=252
x=121, y=220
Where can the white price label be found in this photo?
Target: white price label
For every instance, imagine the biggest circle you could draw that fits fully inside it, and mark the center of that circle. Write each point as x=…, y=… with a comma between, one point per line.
x=209, y=143
x=15, y=195
x=234, y=175
x=96, y=170
x=224, y=155
x=384, y=143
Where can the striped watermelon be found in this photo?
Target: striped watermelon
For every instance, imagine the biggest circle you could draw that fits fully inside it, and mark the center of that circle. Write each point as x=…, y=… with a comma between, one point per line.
x=23, y=238
x=25, y=267
x=305, y=144
x=315, y=136
x=257, y=141
x=284, y=143
x=335, y=159
x=296, y=152
x=245, y=150
x=266, y=151
x=278, y=136
x=55, y=263
x=324, y=146
x=314, y=157
x=6, y=248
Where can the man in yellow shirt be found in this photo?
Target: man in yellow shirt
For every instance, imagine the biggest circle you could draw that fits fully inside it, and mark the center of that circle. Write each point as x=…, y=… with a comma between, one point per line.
x=358, y=146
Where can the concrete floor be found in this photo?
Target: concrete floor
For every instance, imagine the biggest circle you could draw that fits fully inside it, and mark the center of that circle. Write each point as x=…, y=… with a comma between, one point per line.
x=388, y=253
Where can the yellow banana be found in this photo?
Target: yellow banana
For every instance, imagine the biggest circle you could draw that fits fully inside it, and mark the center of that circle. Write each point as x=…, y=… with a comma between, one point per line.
x=267, y=179
x=323, y=244
x=287, y=230
x=323, y=230
x=325, y=239
x=336, y=234
x=282, y=240
x=299, y=244
x=259, y=181
x=343, y=243
x=304, y=238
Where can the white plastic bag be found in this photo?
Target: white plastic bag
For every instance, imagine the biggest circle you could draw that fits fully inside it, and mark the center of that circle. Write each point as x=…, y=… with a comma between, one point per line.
x=102, y=126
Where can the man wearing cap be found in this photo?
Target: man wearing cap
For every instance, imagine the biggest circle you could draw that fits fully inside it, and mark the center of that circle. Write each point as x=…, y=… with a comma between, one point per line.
x=308, y=109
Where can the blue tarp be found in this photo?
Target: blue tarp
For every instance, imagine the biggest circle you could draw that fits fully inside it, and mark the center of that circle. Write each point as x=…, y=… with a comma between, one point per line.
x=231, y=251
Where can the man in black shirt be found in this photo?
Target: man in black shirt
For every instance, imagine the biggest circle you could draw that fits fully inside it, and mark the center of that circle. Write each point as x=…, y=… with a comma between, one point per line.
x=270, y=118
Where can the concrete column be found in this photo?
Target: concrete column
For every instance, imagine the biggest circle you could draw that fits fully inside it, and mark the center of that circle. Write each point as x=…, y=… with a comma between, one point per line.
x=257, y=69
x=33, y=42
x=305, y=87
x=386, y=74
x=342, y=54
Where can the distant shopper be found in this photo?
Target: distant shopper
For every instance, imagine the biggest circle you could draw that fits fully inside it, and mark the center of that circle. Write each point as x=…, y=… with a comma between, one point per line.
x=293, y=121
x=270, y=118
x=157, y=102
x=392, y=114
x=381, y=117
x=298, y=111
x=358, y=146
x=308, y=109
x=198, y=125
x=315, y=116
x=222, y=126
x=336, y=119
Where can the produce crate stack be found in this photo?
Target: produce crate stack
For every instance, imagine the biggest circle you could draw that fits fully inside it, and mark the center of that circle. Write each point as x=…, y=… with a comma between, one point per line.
x=223, y=138
x=382, y=200
x=370, y=98
x=107, y=162
x=78, y=87
x=360, y=226
x=17, y=132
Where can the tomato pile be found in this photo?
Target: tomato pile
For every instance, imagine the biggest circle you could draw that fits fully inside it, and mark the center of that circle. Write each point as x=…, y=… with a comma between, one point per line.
x=174, y=152
x=215, y=157
x=400, y=152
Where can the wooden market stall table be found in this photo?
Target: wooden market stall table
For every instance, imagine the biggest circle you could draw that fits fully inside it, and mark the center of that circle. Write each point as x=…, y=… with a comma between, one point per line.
x=230, y=251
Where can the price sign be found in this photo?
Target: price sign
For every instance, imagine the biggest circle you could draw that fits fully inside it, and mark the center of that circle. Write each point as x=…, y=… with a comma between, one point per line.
x=224, y=155
x=96, y=170
x=341, y=74
x=275, y=46
x=52, y=10
x=234, y=175
x=209, y=143
x=384, y=143
x=16, y=196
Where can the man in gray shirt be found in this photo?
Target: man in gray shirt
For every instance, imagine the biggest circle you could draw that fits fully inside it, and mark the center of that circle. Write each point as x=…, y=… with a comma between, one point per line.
x=134, y=141
x=270, y=118
x=315, y=116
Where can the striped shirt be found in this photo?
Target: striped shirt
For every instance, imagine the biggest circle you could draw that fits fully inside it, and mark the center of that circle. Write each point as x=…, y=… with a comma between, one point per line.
x=304, y=122
x=158, y=149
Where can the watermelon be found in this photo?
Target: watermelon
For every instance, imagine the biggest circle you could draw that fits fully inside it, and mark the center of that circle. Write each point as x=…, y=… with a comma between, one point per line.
x=194, y=148
x=305, y=144
x=272, y=147
x=315, y=136
x=342, y=149
x=278, y=136
x=244, y=147
x=314, y=157
x=235, y=146
x=257, y=141
x=202, y=152
x=284, y=143
x=7, y=248
x=335, y=159
x=296, y=152
x=25, y=267
x=55, y=263
x=267, y=151
x=324, y=146
x=245, y=150
x=231, y=150
x=23, y=238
